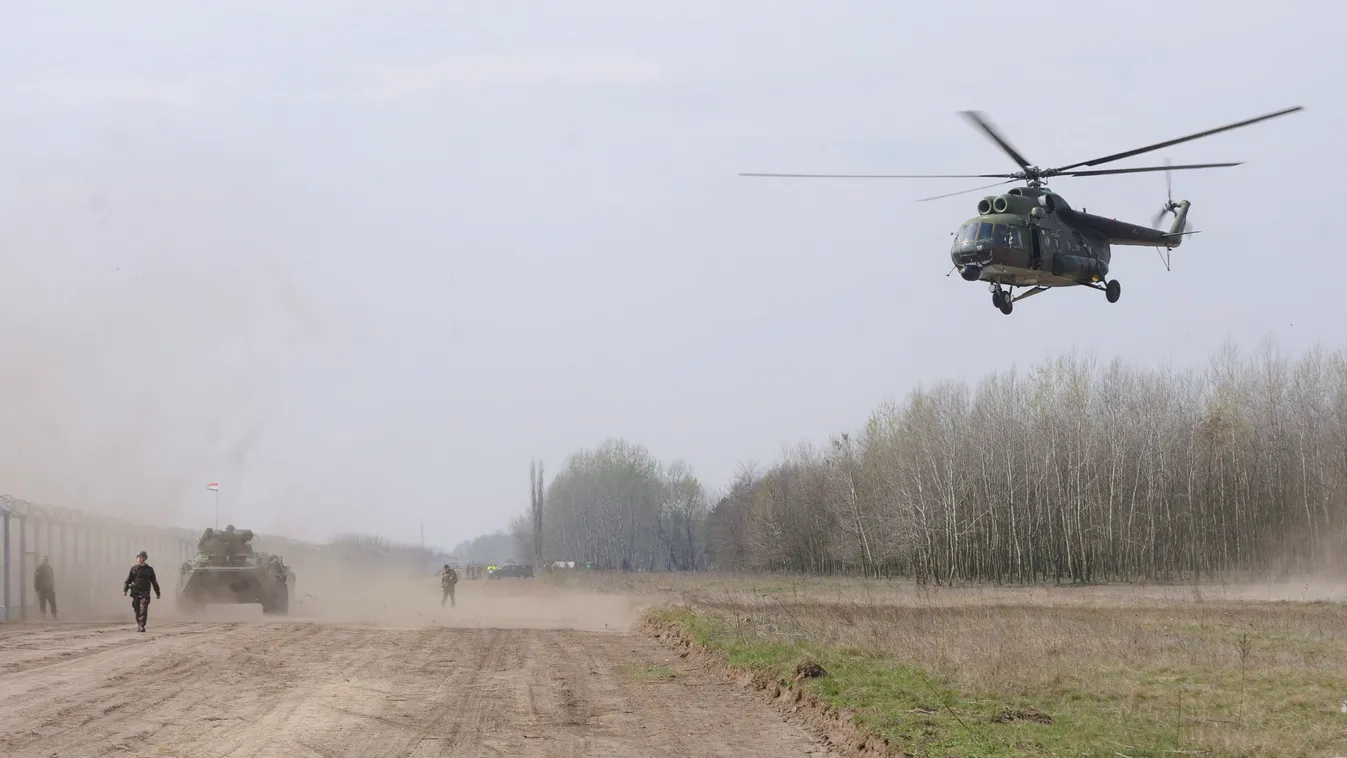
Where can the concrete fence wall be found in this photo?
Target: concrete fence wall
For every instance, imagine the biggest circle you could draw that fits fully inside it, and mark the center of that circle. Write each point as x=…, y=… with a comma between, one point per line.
x=90, y=556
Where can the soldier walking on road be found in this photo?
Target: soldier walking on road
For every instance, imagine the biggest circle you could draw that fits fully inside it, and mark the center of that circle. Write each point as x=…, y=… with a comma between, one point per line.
x=448, y=578
x=139, y=582
x=44, y=581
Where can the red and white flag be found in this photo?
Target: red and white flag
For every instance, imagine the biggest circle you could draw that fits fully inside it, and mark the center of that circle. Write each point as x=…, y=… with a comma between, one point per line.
x=213, y=486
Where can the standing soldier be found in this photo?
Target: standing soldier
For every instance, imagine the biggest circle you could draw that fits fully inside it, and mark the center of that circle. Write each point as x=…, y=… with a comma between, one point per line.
x=138, y=583
x=448, y=578
x=44, y=581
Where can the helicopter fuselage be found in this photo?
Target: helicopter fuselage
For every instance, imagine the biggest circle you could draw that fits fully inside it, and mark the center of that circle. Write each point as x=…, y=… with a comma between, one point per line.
x=1030, y=237
x=1011, y=250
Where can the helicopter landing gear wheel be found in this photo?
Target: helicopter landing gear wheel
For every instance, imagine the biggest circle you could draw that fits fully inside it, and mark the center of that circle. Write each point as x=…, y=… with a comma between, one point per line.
x=1007, y=306
x=1001, y=298
x=1113, y=290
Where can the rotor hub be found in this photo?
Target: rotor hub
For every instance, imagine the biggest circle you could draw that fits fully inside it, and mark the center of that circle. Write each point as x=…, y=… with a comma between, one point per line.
x=1033, y=176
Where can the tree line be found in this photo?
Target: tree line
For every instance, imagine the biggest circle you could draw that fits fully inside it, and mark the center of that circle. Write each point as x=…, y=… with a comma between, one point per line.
x=618, y=507
x=486, y=549
x=1074, y=470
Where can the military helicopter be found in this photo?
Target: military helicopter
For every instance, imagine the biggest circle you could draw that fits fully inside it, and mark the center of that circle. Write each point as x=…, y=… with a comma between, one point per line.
x=1030, y=237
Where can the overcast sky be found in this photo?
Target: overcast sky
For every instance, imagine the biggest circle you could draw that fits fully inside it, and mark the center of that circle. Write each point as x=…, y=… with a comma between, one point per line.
x=360, y=261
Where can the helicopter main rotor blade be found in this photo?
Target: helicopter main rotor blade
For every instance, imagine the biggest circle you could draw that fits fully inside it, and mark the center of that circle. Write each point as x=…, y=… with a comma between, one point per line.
x=965, y=191
x=980, y=120
x=1142, y=169
x=1157, y=146
x=887, y=176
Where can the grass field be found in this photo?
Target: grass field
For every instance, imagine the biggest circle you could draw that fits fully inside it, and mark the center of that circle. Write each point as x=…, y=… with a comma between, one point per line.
x=1210, y=670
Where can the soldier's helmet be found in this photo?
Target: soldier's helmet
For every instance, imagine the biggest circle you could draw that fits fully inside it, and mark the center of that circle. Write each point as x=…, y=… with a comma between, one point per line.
x=143, y=554
x=209, y=531
x=229, y=528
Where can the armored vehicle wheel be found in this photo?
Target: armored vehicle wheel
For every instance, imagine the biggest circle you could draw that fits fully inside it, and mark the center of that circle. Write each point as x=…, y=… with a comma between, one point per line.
x=279, y=603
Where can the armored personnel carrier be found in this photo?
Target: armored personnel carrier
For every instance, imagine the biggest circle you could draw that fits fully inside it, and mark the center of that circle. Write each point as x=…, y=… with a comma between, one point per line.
x=226, y=569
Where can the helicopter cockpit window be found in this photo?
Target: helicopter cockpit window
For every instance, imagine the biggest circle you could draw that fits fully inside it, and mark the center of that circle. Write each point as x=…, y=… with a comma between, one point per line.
x=987, y=232
x=1013, y=238
x=967, y=236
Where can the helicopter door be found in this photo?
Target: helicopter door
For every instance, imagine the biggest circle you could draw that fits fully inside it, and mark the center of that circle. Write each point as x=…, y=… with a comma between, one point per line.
x=1035, y=247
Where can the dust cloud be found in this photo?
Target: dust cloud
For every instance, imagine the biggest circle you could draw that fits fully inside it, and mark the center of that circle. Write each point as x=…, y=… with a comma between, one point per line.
x=329, y=594
x=149, y=347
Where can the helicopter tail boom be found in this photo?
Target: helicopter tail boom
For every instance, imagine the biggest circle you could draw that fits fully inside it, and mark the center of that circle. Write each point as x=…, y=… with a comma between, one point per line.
x=1174, y=237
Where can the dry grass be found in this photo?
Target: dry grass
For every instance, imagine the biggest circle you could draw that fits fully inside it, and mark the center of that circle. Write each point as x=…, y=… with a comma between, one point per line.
x=1216, y=670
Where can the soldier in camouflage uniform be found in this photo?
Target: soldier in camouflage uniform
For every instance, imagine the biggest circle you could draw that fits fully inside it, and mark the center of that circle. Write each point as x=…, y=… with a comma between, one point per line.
x=139, y=581
x=44, y=582
x=448, y=579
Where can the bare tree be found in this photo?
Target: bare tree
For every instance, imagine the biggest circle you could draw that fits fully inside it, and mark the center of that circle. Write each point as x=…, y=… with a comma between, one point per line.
x=536, y=511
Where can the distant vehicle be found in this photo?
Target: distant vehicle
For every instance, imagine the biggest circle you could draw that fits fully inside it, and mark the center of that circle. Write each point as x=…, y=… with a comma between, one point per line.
x=513, y=570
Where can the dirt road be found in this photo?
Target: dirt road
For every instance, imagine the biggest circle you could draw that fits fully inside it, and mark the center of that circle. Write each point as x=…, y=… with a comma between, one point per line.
x=323, y=688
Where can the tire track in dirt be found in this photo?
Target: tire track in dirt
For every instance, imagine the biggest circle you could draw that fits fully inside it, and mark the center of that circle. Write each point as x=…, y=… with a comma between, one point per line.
x=475, y=701
x=58, y=703
x=54, y=650
x=275, y=695
x=403, y=718
x=240, y=690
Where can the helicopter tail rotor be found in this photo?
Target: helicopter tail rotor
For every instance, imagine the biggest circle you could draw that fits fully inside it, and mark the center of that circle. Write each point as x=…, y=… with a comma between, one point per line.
x=1170, y=207
x=1179, y=227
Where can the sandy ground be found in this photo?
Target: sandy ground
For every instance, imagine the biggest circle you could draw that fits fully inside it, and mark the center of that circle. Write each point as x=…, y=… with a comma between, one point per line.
x=518, y=668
